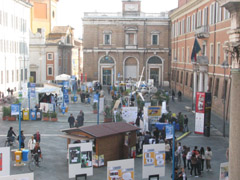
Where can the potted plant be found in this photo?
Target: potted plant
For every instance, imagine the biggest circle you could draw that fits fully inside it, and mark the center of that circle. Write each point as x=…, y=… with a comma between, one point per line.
x=94, y=108
x=45, y=116
x=108, y=115
x=6, y=112
x=54, y=116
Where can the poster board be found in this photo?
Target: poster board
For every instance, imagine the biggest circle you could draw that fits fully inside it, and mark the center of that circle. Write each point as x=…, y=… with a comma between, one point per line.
x=98, y=161
x=224, y=171
x=153, y=160
x=154, y=111
x=199, y=115
x=80, y=159
x=4, y=161
x=27, y=176
x=129, y=114
x=169, y=131
x=101, y=105
x=45, y=107
x=145, y=119
x=121, y=169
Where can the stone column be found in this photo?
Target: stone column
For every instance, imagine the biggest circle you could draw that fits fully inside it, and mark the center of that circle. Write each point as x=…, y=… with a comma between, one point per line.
x=205, y=82
x=200, y=87
x=234, y=145
x=194, y=84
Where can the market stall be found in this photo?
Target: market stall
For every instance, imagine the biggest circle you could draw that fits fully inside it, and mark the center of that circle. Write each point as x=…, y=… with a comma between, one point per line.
x=111, y=141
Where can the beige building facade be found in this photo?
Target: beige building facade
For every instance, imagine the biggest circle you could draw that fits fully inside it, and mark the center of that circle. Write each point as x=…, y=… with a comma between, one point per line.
x=122, y=46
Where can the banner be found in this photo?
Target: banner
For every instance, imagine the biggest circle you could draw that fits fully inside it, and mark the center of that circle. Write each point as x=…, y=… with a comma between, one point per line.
x=4, y=161
x=199, y=114
x=15, y=109
x=169, y=131
x=129, y=114
x=154, y=111
x=200, y=102
x=224, y=171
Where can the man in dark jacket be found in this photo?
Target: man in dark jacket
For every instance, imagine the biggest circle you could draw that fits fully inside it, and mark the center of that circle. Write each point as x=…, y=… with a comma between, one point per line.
x=80, y=119
x=71, y=121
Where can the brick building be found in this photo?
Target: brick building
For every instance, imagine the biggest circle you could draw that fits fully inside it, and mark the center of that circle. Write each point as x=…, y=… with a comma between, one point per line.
x=209, y=22
x=118, y=46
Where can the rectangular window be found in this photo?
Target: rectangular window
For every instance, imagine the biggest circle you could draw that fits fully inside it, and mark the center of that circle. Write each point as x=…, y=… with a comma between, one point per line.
x=224, y=92
x=204, y=49
x=39, y=30
x=181, y=77
x=178, y=54
x=154, y=39
x=216, y=87
x=177, y=76
x=107, y=39
x=25, y=74
x=179, y=28
x=49, y=56
x=205, y=16
x=12, y=75
x=199, y=18
x=187, y=54
x=0, y=17
x=173, y=31
x=21, y=74
x=210, y=84
x=226, y=14
x=186, y=79
x=193, y=22
x=173, y=75
x=218, y=53
x=211, y=53
x=212, y=13
x=191, y=82
x=130, y=39
x=183, y=26
x=17, y=75
x=183, y=60
x=218, y=13
x=50, y=70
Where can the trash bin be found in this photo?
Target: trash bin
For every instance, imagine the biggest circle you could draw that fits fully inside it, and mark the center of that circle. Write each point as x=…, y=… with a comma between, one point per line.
x=39, y=115
x=63, y=109
x=25, y=154
x=18, y=156
x=33, y=114
x=75, y=98
x=13, y=154
x=26, y=114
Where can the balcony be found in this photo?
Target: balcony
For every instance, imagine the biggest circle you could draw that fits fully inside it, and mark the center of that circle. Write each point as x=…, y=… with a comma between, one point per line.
x=202, y=32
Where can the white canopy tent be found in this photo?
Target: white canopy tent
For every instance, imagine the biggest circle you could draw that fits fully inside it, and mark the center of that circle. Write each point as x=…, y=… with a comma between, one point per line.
x=63, y=77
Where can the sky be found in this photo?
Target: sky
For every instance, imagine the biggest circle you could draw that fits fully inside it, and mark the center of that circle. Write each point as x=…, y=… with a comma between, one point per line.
x=70, y=12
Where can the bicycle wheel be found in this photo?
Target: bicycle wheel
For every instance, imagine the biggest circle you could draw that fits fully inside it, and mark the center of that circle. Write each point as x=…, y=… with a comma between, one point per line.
x=32, y=165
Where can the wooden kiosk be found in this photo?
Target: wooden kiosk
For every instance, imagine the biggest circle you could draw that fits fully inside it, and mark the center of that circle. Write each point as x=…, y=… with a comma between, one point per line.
x=113, y=140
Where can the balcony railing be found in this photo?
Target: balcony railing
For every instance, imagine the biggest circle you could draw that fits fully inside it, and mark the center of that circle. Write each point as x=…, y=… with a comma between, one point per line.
x=202, y=32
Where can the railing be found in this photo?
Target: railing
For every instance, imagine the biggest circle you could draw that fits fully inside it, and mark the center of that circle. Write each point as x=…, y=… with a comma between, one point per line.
x=202, y=32
x=120, y=15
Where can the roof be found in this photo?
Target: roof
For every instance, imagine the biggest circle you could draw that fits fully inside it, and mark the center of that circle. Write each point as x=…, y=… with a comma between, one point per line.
x=60, y=29
x=102, y=130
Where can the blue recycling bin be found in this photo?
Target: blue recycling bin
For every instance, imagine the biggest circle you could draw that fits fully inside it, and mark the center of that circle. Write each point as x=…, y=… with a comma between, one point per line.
x=63, y=109
x=177, y=127
x=33, y=114
x=74, y=98
x=39, y=115
x=25, y=155
x=160, y=125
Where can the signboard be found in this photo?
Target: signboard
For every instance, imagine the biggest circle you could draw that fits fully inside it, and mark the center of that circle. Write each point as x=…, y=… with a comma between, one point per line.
x=121, y=169
x=224, y=171
x=98, y=160
x=27, y=176
x=199, y=115
x=95, y=98
x=32, y=90
x=15, y=109
x=153, y=160
x=154, y=111
x=66, y=84
x=101, y=105
x=4, y=161
x=169, y=131
x=80, y=159
x=129, y=114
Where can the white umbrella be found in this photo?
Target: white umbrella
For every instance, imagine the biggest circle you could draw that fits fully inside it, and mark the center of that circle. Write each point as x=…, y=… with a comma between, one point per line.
x=63, y=77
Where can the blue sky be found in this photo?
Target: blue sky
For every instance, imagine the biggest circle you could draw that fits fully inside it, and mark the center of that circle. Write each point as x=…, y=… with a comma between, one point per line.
x=70, y=12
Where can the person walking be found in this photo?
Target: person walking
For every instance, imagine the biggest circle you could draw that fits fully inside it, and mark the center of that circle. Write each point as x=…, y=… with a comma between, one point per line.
x=71, y=121
x=194, y=165
x=80, y=119
x=37, y=137
x=173, y=96
x=202, y=152
x=38, y=153
x=179, y=96
x=189, y=155
x=185, y=123
x=10, y=134
x=182, y=175
x=31, y=144
x=22, y=139
x=184, y=156
x=180, y=150
x=208, y=157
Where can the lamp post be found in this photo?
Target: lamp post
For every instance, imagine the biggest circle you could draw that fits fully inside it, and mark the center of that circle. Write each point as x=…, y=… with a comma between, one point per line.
x=225, y=65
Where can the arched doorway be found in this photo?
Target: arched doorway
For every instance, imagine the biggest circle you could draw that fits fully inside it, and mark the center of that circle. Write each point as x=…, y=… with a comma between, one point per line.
x=131, y=68
x=106, y=65
x=155, y=70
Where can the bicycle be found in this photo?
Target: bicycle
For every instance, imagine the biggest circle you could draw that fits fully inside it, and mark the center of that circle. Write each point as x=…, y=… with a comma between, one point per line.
x=33, y=162
x=11, y=142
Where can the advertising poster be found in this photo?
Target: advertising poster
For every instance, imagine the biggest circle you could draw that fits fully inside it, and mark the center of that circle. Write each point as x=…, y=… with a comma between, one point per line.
x=153, y=160
x=120, y=170
x=154, y=111
x=200, y=102
x=129, y=114
x=14, y=109
x=80, y=159
x=95, y=160
x=224, y=171
x=169, y=131
x=101, y=105
x=4, y=161
x=74, y=154
x=32, y=90
x=101, y=160
x=86, y=159
x=199, y=115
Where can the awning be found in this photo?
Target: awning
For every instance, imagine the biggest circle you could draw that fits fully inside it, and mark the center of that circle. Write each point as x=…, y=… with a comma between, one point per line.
x=63, y=77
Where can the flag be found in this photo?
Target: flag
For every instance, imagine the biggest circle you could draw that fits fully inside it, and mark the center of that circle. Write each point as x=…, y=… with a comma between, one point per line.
x=195, y=50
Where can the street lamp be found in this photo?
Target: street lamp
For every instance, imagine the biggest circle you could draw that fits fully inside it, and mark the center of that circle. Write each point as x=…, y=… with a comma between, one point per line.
x=225, y=65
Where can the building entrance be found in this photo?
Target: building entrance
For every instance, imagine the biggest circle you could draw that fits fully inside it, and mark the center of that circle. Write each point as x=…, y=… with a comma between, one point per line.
x=154, y=74
x=107, y=76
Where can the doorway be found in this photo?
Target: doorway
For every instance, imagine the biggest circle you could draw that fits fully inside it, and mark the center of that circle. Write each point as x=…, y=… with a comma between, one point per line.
x=154, y=74
x=107, y=76
x=33, y=75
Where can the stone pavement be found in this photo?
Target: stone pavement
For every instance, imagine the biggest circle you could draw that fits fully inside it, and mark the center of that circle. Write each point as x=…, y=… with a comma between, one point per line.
x=54, y=148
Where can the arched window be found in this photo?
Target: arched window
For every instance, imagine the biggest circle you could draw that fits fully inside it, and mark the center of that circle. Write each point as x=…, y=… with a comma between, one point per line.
x=154, y=60
x=106, y=60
